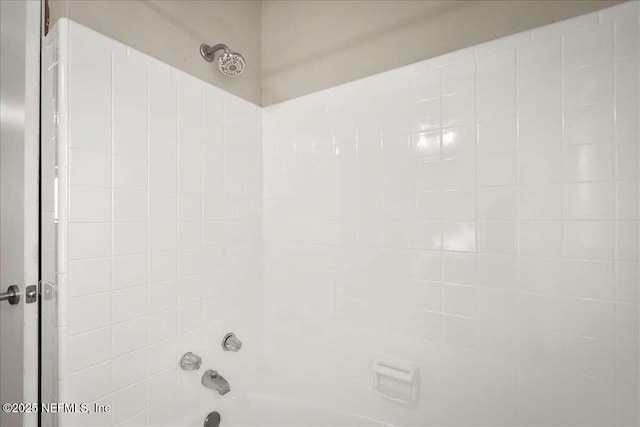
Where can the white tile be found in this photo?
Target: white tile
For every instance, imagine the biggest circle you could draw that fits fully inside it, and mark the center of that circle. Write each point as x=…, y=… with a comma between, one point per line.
x=459, y=236
x=592, y=162
x=541, y=311
x=90, y=276
x=627, y=241
x=128, y=304
x=541, y=274
x=88, y=313
x=89, y=168
x=627, y=326
x=424, y=84
x=627, y=368
x=459, y=268
x=189, y=262
x=190, y=207
x=89, y=204
x=129, y=336
x=540, y=202
x=459, y=141
x=626, y=408
x=127, y=402
x=129, y=238
x=541, y=352
x=163, y=206
x=423, y=235
x=588, y=401
x=162, y=326
x=130, y=100
x=627, y=277
x=497, y=169
x=497, y=271
x=460, y=331
x=89, y=349
x=588, y=47
x=591, y=279
x=587, y=356
x=163, y=177
x=162, y=266
x=427, y=325
x=539, y=166
x=130, y=173
x=425, y=115
x=591, y=201
x=129, y=205
x=189, y=317
x=190, y=94
x=457, y=109
x=590, y=318
x=162, y=115
x=498, y=304
x=128, y=369
x=140, y=419
x=163, y=236
x=189, y=234
x=129, y=271
x=540, y=396
x=163, y=413
x=90, y=91
x=589, y=124
x=162, y=385
x=497, y=237
x=540, y=238
x=496, y=88
x=538, y=77
x=460, y=300
x=627, y=195
x=90, y=384
x=162, y=296
x=459, y=204
x=458, y=76
x=190, y=178
x=427, y=296
x=190, y=290
x=458, y=173
x=497, y=203
x=587, y=85
x=89, y=240
x=497, y=135
x=588, y=239
x=540, y=131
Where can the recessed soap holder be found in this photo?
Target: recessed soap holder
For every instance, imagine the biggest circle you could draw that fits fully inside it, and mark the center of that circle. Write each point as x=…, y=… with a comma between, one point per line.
x=395, y=380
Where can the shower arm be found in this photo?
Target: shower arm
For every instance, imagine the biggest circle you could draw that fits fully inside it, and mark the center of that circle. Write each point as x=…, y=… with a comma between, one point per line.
x=209, y=52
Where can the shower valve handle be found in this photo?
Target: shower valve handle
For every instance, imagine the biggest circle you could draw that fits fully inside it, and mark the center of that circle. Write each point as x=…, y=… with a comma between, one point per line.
x=231, y=343
x=191, y=362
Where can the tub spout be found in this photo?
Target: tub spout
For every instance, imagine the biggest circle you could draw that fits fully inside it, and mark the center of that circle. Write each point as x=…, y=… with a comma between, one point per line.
x=211, y=379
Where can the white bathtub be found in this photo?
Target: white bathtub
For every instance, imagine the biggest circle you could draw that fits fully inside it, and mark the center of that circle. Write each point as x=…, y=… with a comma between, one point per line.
x=256, y=410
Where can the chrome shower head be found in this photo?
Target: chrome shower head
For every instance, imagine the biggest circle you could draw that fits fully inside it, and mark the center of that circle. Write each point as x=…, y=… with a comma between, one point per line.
x=230, y=63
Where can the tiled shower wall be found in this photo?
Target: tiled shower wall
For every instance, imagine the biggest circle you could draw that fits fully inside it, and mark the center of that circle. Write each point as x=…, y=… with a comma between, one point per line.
x=475, y=215
x=152, y=244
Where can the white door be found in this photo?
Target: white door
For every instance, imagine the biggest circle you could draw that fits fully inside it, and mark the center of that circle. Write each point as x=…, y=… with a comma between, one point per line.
x=19, y=134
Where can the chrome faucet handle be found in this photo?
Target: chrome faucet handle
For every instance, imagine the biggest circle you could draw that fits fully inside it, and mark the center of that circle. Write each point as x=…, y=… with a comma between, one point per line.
x=191, y=361
x=231, y=343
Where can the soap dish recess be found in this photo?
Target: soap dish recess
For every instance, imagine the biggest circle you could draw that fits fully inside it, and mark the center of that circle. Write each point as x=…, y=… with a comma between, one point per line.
x=395, y=380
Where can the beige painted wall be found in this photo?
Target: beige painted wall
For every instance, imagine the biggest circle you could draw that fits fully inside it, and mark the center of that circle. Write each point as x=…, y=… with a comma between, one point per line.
x=312, y=45
x=295, y=47
x=172, y=31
